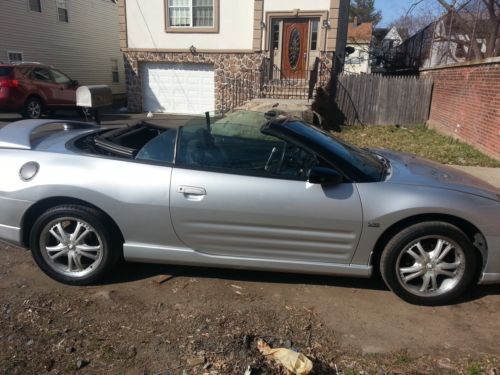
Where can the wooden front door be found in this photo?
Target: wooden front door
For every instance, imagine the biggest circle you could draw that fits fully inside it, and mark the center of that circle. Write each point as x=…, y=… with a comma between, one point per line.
x=295, y=48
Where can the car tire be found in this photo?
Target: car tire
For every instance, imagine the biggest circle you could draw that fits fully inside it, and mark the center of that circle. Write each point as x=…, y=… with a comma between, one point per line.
x=429, y=263
x=73, y=245
x=33, y=108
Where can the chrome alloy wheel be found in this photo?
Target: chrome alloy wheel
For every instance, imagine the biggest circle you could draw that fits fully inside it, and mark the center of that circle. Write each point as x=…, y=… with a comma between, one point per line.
x=430, y=266
x=34, y=109
x=71, y=247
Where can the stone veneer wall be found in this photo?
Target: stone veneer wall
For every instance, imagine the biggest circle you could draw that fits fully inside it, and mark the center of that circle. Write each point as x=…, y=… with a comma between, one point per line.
x=225, y=65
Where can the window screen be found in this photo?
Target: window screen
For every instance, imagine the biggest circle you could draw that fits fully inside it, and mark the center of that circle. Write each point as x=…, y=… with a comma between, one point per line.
x=35, y=5
x=62, y=10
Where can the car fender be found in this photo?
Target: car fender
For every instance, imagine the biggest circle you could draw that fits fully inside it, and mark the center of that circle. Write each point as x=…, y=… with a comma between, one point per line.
x=385, y=205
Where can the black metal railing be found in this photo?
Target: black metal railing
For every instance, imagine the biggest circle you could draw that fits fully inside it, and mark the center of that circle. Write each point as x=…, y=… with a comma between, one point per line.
x=270, y=82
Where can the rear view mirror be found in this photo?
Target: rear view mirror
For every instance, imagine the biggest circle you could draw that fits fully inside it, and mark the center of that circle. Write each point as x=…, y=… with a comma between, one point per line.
x=74, y=82
x=324, y=176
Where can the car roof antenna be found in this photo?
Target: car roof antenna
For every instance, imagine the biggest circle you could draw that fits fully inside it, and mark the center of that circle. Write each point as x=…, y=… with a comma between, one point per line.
x=207, y=118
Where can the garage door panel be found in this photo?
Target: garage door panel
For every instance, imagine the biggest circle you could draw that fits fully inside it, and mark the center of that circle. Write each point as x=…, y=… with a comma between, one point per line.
x=178, y=88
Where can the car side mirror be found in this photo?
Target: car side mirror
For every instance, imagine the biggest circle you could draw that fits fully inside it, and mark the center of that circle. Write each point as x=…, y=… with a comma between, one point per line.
x=74, y=82
x=324, y=176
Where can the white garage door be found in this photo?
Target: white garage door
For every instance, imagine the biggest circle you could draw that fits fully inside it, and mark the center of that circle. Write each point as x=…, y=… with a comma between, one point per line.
x=178, y=88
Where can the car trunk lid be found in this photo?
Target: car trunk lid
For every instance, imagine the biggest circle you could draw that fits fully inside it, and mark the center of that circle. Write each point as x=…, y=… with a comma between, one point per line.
x=22, y=134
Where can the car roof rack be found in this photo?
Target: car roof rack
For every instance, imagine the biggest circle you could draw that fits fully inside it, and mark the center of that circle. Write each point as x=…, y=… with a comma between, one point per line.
x=25, y=62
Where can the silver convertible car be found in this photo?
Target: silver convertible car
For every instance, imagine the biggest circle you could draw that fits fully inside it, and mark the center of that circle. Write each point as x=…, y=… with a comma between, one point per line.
x=249, y=191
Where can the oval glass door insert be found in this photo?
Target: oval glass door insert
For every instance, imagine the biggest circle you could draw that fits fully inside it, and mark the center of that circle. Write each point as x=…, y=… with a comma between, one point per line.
x=294, y=48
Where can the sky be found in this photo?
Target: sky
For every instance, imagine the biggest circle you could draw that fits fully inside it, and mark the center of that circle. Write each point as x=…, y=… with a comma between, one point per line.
x=392, y=9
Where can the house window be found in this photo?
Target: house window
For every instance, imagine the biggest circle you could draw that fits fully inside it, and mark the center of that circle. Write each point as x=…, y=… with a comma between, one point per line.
x=14, y=56
x=194, y=15
x=35, y=5
x=114, y=71
x=314, y=35
x=275, y=34
x=62, y=10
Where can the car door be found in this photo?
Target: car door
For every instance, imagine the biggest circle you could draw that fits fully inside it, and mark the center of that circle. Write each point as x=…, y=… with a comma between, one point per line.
x=65, y=92
x=245, y=196
x=45, y=85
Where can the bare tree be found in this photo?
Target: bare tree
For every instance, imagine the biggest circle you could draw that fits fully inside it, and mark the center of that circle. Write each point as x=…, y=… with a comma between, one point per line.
x=472, y=25
x=415, y=20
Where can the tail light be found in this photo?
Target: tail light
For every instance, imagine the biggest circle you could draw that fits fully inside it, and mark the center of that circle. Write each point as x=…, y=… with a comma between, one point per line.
x=9, y=83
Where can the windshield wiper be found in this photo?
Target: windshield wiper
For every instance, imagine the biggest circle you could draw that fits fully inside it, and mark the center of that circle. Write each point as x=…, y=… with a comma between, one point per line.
x=386, y=164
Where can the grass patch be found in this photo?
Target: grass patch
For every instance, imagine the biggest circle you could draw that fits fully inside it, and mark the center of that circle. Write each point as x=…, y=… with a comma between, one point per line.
x=417, y=140
x=402, y=358
x=474, y=368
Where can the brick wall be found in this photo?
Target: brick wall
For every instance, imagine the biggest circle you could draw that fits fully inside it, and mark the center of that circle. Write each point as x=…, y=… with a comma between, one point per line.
x=466, y=103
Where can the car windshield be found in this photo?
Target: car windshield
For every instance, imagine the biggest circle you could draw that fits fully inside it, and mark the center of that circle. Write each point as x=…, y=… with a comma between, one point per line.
x=250, y=125
x=366, y=161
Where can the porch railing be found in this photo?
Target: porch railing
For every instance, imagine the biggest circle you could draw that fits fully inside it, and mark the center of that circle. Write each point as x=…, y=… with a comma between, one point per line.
x=270, y=82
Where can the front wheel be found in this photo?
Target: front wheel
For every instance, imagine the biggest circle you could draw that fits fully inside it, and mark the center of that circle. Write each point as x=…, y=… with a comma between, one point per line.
x=429, y=263
x=72, y=244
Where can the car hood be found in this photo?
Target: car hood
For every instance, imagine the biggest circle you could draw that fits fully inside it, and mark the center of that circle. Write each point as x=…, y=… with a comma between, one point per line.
x=409, y=169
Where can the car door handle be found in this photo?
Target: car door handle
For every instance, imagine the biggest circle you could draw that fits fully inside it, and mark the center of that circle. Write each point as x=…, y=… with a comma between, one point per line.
x=191, y=190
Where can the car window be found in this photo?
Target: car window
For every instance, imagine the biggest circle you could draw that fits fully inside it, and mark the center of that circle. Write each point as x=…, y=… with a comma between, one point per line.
x=160, y=148
x=60, y=78
x=5, y=71
x=242, y=149
x=41, y=74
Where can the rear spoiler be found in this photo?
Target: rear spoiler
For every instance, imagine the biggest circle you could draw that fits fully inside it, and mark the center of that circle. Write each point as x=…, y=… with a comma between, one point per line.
x=17, y=135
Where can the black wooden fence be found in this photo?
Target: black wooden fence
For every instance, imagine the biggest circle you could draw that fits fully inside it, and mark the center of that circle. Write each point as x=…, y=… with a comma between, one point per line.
x=373, y=99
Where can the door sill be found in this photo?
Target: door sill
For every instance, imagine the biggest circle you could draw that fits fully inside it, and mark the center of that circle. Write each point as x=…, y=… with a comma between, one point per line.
x=135, y=252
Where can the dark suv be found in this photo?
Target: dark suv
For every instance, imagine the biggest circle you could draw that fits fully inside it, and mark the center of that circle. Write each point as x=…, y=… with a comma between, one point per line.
x=35, y=89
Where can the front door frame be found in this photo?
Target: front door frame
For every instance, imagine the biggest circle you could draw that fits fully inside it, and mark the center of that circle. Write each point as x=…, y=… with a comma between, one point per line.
x=284, y=15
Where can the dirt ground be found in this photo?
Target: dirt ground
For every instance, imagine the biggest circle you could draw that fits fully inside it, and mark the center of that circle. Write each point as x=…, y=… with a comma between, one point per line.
x=150, y=319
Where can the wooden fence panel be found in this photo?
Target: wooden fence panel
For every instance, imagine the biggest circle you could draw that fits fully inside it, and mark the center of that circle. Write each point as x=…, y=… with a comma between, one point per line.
x=371, y=99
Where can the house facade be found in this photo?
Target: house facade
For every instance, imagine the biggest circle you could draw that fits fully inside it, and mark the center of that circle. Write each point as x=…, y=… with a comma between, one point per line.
x=359, y=37
x=81, y=38
x=384, y=48
x=179, y=53
x=447, y=41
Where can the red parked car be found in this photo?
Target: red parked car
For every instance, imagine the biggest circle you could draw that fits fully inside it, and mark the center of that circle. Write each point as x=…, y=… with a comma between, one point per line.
x=35, y=89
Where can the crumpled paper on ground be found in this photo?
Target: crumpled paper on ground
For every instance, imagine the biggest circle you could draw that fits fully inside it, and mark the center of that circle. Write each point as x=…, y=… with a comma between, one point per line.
x=295, y=362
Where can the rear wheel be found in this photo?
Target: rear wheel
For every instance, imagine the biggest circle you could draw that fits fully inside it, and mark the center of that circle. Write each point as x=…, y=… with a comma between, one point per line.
x=72, y=244
x=429, y=263
x=33, y=108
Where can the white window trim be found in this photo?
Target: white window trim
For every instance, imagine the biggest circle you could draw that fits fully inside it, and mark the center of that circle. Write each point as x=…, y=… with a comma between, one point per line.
x=18, y=52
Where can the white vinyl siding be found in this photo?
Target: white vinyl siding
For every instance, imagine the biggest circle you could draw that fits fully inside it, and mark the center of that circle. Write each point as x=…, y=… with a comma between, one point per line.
x=178, y=88
x=82, y=48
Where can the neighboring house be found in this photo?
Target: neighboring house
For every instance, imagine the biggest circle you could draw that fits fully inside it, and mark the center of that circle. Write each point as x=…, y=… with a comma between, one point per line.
x=80, y=38
x=383, y=47
x=359, y=37
x=179, y=52
x=446, y=41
